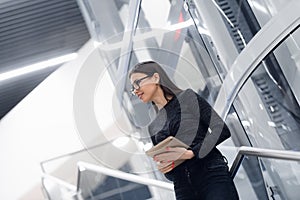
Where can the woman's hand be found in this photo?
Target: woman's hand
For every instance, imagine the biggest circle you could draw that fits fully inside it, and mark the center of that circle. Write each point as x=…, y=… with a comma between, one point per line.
x=165, y=161
x=170, y=154
x=165, y=167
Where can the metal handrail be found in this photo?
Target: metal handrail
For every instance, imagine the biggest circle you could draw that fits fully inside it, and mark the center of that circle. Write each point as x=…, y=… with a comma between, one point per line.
x=260, y=152
x=242, y=152
x=121, y=175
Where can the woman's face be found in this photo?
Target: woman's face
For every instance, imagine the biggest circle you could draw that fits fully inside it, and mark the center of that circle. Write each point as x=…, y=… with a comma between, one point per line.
x=144, y=86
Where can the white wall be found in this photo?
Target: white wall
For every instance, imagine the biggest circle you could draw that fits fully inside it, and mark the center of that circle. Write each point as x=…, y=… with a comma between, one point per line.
x=40, y=127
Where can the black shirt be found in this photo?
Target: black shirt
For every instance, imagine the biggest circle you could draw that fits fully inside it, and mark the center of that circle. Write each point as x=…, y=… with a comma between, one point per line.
x=188, y=117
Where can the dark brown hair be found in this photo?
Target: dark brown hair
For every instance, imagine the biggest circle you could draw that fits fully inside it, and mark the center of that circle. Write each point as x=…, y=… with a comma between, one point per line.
x=151, y=67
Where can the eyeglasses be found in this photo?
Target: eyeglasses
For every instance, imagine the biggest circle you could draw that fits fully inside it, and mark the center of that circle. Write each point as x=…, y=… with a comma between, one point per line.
x=136, y=84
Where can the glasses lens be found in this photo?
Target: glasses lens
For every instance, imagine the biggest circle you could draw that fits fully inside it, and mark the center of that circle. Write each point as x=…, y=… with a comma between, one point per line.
x=136, y=84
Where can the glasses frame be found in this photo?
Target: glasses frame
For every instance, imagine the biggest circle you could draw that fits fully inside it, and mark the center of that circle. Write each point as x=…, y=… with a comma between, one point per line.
x=137, y=82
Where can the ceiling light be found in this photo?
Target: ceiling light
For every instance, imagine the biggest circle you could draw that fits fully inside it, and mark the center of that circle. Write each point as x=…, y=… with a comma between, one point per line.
x=37, y=66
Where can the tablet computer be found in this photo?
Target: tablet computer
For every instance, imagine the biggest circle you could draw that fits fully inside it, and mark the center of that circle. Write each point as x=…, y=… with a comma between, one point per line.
x=168, y=142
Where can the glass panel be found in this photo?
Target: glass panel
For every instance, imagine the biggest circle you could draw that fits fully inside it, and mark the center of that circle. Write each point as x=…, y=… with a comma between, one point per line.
x=249, y=185
x=227, y=26
x=280, y=177
x=231, y=17
x=97, y=13
x=268, y=103
x=94, y=186
x=172, y=39
x=65, y=168
x=264, y=10
x=268, y=108
x=249, y=181
x=100, y=186
x=106, y=21
x=56, y=189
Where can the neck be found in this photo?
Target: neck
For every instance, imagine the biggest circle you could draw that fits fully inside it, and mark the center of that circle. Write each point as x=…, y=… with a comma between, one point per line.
x=161, y=103
x=160, y=100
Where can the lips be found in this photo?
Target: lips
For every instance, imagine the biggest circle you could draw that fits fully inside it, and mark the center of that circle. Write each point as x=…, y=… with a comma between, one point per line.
x=140, y=95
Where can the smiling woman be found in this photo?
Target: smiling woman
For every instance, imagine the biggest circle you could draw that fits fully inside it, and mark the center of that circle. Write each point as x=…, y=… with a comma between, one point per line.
x=158, y=82
x=188, y=117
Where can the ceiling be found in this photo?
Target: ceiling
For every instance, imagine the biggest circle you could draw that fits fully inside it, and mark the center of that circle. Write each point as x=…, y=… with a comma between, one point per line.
x=32, y=31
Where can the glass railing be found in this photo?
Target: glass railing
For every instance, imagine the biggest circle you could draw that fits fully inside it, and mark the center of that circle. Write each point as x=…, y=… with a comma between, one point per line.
x=55, y=188
x=96, y=182
x=263, y=106
x=64, y=167
x=281, y=182
x=269, y=112
x=103, y=162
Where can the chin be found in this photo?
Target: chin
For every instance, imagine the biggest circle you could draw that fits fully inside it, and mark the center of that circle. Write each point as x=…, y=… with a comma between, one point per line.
x=144, y=100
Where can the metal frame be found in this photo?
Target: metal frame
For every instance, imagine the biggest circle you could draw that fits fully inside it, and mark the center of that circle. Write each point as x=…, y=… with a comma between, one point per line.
x=126, y=49
x=264, y=153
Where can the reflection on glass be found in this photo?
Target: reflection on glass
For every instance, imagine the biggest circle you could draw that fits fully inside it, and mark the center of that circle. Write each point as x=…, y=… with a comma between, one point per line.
x=280, y=177
x=249, y=186
x=97, y=14
x=249, y=180
x=268, y=103
x=264, y=10
x=106, y=21
x=94, y=186
x=173, y=42
x=56, y=189
x=172, y=39
x=99, y=186
x=226, y=26
x=268, y=107
x=65, y=169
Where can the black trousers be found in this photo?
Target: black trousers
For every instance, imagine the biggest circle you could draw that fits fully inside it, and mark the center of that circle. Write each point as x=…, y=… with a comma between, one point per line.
x=204, y=179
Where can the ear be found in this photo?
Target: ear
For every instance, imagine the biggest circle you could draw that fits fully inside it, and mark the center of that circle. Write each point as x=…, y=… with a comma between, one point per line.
x=156, y=77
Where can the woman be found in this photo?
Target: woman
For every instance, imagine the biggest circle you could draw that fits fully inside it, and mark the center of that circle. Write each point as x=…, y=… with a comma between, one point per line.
x=184, y=114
